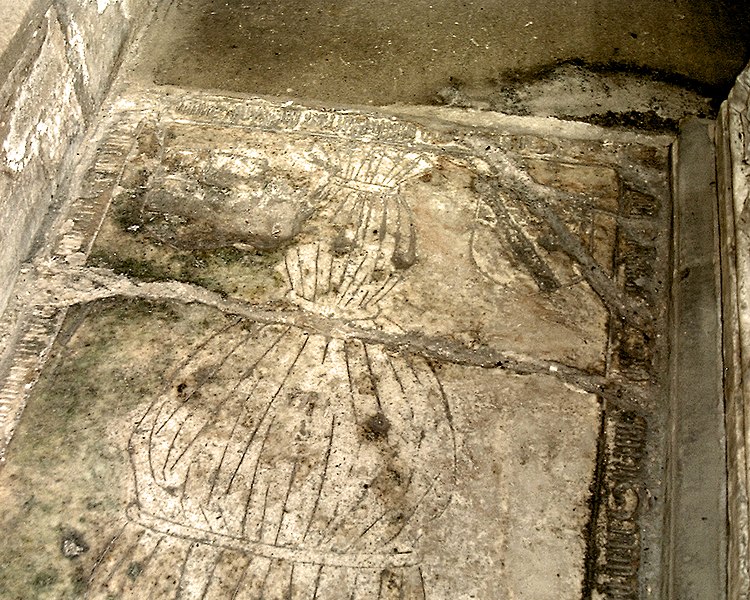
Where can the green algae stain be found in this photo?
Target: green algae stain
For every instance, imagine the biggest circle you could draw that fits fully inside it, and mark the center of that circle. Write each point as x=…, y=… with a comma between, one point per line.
x=64, y=486
x=246, y=274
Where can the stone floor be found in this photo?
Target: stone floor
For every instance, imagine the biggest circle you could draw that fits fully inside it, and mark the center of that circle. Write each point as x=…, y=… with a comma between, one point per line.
x=328, y=354
x=279, y=343
x=360, y=52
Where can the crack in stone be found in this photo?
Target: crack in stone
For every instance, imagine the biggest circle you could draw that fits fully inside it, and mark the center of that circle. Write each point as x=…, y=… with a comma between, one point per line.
x=62, y=286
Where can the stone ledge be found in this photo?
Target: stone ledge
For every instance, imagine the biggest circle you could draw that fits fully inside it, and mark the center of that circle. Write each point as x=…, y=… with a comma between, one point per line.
x=696, y=497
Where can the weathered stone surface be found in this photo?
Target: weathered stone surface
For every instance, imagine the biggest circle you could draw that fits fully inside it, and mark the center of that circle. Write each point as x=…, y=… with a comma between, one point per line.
x=19, y=19
x=482, y=54
x=42, y=116
x=62, y=64
x=734, y=193
x=96, y=34
x=311, y=353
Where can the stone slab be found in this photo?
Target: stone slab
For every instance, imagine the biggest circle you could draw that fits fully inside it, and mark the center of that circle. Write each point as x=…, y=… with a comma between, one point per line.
x=494, y=504
x=334, y=354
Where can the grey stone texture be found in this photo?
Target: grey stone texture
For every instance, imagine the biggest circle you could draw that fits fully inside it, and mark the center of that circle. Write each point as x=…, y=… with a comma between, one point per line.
x=733, y=149
x=696, y=565
x=57, y=60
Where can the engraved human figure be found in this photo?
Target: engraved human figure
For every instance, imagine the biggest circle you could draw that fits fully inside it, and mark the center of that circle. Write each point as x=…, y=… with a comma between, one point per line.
x=284, y=463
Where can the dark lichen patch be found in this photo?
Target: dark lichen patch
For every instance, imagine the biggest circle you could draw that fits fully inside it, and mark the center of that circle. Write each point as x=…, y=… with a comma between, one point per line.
x=134, y=570
x=128, y=205
x=648, y=120
x=637, y=204
x=44, y=579
x=609, y=94
x=64, y=485
x=517, y=77
x=635, y=353
x=131, y=267
x=129, y=244
x=128, y=216
x=188, y=201
x=376, y=427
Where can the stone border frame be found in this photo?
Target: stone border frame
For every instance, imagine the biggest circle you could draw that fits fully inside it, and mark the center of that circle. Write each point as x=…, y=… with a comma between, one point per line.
x=695, y=534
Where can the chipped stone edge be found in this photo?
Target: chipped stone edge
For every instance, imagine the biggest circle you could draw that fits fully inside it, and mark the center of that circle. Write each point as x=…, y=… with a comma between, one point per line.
x=434, y=118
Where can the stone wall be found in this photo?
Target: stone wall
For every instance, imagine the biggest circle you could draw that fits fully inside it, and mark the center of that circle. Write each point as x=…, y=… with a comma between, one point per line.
x=733, y=158
x=57, y=60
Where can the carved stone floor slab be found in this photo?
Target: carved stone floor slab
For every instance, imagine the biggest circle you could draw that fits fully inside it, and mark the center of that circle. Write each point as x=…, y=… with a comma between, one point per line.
x=305, y=353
